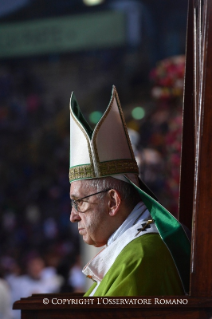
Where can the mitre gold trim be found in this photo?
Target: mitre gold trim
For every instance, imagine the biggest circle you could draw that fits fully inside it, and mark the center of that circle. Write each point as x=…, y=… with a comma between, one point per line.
x=81, y=172
x=118, y=167
x=105, y=168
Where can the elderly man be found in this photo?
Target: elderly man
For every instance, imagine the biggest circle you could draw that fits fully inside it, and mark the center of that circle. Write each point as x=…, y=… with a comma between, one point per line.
x=146, y=251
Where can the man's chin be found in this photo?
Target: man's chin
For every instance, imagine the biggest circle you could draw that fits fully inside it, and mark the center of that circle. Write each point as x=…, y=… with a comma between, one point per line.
x=91, y=242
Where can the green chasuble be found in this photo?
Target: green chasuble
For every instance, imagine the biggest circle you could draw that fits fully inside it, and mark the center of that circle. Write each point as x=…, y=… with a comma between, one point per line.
x=143, y=268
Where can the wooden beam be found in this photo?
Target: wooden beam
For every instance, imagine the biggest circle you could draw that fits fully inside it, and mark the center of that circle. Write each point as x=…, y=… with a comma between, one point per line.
x=201, y=261
x=187, y=159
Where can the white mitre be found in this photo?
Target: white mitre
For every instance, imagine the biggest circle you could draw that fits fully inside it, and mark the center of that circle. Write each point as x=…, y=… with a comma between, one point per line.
x=104, y=151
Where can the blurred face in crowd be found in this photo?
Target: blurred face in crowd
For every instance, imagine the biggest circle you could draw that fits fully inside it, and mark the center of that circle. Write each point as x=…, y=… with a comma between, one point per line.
x=94, y=214
x=35, y=267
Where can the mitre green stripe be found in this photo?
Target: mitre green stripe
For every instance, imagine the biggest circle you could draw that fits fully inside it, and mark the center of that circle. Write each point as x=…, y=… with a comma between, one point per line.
x=173, y=235
x=78, y=114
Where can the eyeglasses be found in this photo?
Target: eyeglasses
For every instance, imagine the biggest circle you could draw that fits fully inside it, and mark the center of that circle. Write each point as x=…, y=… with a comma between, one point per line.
x=77, y=203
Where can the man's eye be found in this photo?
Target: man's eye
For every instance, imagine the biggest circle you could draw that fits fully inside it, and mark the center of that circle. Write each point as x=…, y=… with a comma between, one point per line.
x=79, y=202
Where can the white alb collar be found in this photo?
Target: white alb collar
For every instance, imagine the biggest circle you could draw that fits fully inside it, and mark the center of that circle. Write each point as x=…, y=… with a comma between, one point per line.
x=139, y=212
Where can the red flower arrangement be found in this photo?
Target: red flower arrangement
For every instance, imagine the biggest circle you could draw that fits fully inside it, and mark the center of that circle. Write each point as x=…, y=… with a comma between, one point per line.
x=168, y=78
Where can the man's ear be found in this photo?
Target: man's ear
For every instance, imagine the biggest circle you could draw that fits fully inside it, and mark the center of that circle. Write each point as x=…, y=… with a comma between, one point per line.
x=114, y=202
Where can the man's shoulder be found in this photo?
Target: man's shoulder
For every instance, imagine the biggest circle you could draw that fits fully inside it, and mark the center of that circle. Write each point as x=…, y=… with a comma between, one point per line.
x=147, y=246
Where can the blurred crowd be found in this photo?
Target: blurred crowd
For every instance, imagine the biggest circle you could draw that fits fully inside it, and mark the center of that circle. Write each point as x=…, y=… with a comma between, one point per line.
x=37, y=275
x=39, y=250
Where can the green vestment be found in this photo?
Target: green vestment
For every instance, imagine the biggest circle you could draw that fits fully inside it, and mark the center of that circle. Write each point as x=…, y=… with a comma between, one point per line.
x=143, y=268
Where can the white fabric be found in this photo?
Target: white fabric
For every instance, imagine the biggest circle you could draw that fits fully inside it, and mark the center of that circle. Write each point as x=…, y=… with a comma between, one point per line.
x=97, y=268
x=110, y=137
x=79, y=147
x=139, y=213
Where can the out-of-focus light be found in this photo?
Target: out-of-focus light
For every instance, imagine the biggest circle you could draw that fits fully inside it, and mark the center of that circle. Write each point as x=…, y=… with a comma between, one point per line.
x=95, y=116
x=138, y=113
x=92, y=2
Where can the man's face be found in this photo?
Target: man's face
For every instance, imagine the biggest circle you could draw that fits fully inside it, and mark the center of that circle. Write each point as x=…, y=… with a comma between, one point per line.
x=93, y=221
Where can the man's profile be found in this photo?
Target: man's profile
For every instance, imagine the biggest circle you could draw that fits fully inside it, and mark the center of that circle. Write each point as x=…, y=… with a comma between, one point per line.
x=146, y=251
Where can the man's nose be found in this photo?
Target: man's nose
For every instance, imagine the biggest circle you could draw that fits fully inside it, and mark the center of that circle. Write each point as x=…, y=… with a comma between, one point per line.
x=74, y=217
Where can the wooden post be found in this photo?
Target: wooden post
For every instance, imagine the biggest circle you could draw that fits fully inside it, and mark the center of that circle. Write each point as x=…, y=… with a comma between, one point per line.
x=201, y=260
x=188, y=155
x=196, y=170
